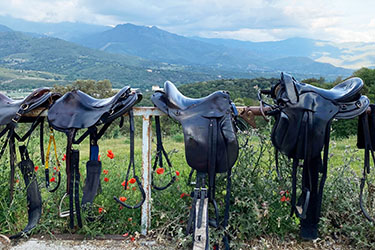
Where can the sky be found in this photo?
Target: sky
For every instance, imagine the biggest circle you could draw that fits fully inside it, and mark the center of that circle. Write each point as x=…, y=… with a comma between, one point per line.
x=248, y=20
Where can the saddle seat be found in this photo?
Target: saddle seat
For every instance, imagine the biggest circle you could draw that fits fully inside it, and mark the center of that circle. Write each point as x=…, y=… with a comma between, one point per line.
x=10, y=107
x=77, y=109
x=345, y=91
x=179, y=101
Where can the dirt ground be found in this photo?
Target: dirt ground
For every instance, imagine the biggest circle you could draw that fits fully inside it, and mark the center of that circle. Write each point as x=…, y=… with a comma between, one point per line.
x=72, y=242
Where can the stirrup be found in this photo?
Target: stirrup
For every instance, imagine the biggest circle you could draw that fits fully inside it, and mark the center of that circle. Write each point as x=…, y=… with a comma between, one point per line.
x=66, y=213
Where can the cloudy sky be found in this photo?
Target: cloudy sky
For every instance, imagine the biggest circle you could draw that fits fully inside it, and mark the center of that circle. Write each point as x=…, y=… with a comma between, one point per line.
x=252, y=20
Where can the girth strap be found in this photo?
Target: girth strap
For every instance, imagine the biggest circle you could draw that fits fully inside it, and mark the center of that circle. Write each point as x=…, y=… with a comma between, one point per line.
x=366, y=167
x=159, y=158
x=131, y=166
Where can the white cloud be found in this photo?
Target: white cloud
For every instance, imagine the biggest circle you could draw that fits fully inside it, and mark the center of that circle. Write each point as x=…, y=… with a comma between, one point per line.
x=256, y=20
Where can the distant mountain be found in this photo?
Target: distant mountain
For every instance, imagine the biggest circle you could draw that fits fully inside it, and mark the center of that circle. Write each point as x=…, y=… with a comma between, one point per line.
x=348, y=55
x=4, y=28
x=224, y=54
x=64, y=30
x=70, y=61
x=159, y=45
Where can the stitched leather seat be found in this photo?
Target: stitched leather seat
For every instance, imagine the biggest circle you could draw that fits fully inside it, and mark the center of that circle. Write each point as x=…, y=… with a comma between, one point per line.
x=79, y=110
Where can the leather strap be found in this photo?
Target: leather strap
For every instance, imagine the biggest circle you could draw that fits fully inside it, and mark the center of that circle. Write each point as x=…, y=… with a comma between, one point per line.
x=159, y=158
x=131, y=166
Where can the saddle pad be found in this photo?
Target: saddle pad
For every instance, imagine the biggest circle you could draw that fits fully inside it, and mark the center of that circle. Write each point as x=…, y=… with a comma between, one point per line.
x=195, y=120
x=79, y=110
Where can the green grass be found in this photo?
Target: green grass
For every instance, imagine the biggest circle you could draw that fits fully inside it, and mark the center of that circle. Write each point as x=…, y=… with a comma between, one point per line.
x=256, y=209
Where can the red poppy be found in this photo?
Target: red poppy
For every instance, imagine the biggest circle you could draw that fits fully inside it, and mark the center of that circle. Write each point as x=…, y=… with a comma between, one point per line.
x=130, y=219
x=283, y=199
x=287, y=199
x=110, y=154
x=160, y=170
x=132, y=180
x=64, y=157
x=105, y=171
x=106, y=179
x=17, y=181
x=122, y=198
x=100, y=210
x=52, y=179
x=54, y=168
x=177, y=173
x=132, y=239
x=123, y=184
x=134, y=188
x=183, y=195
x=98, y=157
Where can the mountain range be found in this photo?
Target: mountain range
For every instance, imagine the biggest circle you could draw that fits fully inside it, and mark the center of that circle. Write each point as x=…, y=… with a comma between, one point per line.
x=142, y=56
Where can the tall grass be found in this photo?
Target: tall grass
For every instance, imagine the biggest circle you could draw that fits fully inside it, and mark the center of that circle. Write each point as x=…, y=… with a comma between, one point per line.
x=257, y=209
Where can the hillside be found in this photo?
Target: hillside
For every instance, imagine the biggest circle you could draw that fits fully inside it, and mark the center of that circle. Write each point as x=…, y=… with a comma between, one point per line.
x=159, y=45
x=20, y=51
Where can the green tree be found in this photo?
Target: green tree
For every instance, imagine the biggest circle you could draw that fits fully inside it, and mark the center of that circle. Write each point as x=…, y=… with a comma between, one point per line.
x=97, y=89
x=368, y=77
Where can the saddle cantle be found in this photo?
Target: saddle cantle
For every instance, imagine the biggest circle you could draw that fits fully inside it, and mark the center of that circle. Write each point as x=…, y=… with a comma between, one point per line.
x=13, y=112
x=194, y=116
x=303, y=118
x=77, y=110
x=210, y=147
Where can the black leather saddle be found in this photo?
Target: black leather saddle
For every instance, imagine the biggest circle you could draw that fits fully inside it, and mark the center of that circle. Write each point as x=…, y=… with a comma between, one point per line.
x=210, y=143
x=28, y=110
x=195, y=116
x=77, y=110
x=303, y=117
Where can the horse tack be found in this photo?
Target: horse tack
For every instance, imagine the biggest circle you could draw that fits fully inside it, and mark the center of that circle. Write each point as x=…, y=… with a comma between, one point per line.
x=210, y=147
x=77, y=110
x=28, y=110
x=303, y=117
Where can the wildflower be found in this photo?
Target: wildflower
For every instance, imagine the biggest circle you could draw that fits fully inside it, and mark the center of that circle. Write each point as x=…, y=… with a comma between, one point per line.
x=125, y=235
x=64, y=157
x=52, y=179
x=283, y=199
x=17, y=180
x=160, y=170
x=132, y=238
x=177, y=173
x=54, y=168
x=105, y=171
x=123, y=184
x=100, y=210
x=282, y=192
x=106, y=179
x=36, y=168
x=110, y=154
x=287, y=199
x=123, y=199
x=130, y=219
x=98, y=157
x=134, y=188
x=132, y=180
x=183, y=195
